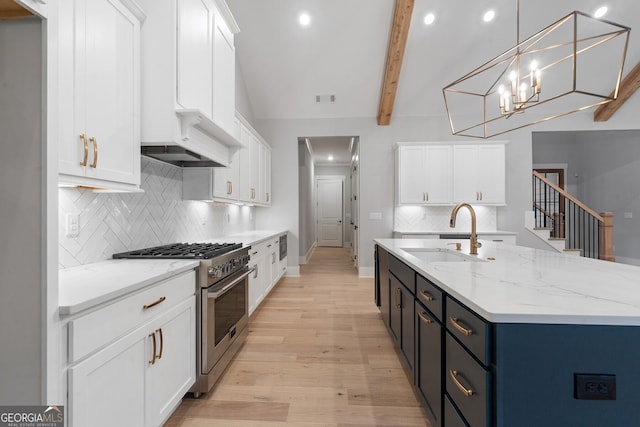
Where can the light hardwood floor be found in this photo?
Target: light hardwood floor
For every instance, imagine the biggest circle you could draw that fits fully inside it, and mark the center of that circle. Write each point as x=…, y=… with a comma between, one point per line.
x=317, y=354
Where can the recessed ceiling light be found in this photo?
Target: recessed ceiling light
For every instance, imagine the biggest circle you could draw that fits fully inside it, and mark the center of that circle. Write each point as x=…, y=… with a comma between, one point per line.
x=304, y=19
x=330, y=158
x=601, y=12
x=488, y=16
x=429, y=18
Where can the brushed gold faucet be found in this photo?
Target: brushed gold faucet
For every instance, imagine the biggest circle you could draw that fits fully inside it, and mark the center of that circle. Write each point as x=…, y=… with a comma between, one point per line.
x=473, y=244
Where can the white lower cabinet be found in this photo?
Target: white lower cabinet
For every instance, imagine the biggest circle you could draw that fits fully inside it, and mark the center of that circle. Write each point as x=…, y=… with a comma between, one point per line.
x=139, y=378
x=265, y=257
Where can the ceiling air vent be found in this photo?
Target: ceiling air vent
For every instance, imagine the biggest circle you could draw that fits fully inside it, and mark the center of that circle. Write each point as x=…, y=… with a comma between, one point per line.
x=325, y=99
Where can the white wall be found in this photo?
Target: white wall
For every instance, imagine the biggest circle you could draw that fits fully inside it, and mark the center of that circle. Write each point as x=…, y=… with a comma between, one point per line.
x=22, y=229
x=377, y=169
x=306, y=211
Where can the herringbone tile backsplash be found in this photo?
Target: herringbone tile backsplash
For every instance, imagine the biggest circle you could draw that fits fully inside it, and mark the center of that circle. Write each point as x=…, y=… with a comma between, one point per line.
x=118, y=222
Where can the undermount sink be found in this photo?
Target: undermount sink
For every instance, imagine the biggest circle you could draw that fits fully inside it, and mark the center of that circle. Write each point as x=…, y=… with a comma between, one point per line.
x=441, y=255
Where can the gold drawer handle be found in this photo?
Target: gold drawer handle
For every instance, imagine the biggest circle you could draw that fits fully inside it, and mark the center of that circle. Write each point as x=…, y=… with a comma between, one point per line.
x=159, y=331
x=424, y=317
x=426, y=296
x=459, y=327
x=95, y=152
x=153, y=359
x=454, y=376
x=397, y=295
x=153, y=304
x=86, y=149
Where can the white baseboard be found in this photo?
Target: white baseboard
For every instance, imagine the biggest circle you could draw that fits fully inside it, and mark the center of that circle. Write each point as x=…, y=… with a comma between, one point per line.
x=292, y=271
x=305, y=259
x=366, y=272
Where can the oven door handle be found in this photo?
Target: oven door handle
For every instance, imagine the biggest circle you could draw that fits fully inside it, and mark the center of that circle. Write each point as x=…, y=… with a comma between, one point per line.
x=230, y=285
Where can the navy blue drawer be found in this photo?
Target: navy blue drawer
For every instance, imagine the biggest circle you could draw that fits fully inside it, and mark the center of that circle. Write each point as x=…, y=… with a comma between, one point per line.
x=430, y=296
x=403, y=272
x=472, y=331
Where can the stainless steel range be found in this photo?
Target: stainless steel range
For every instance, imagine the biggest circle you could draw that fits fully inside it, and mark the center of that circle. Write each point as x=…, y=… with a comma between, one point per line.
x=221, y=302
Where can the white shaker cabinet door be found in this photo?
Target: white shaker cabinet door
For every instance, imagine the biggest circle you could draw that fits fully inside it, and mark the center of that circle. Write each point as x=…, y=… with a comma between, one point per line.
x=424, y=175
x=224, y=76
x=100, y=116
x=479, y=174
x=195, y=55
x=171, y=374
x=108, y=388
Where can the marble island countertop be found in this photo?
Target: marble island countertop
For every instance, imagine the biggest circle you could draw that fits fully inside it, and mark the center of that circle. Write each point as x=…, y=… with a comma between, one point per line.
x=515, y=284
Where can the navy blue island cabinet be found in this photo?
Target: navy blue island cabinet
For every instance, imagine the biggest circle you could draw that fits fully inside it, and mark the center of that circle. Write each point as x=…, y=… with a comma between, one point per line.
x=469, y=372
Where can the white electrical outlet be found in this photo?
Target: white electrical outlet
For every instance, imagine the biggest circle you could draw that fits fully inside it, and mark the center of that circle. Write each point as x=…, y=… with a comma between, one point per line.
x=73, y=224
x=628, y=215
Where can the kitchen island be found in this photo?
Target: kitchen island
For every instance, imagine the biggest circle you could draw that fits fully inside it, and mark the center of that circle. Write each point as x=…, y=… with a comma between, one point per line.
x=512, y=336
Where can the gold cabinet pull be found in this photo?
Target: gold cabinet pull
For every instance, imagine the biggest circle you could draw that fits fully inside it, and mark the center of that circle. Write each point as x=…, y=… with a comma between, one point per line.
x=153, y=359
x=255, y=272
x=424, y=317
x=426, y=296
x=459, y=327
x=95, y=152
x=454, y=376
x=427, y=193
x=397, y=294
x=159, y=331
x=153, y=304
x=85, y=142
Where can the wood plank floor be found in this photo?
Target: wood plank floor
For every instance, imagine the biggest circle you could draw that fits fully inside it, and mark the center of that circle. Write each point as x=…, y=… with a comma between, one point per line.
x=317, y=354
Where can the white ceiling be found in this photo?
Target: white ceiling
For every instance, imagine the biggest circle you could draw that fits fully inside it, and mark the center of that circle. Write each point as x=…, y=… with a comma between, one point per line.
x=343, y=51
x=338, y=147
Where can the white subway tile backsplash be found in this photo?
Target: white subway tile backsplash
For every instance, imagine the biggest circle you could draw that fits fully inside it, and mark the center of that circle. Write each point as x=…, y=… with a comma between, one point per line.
x=118, y=222
x=436, y=218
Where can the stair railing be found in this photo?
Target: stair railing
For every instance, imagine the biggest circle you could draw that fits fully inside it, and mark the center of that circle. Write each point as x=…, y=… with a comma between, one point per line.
x=570, y=219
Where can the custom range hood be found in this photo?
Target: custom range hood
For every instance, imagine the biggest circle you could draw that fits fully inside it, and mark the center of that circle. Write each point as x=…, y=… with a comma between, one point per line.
x=195, y=141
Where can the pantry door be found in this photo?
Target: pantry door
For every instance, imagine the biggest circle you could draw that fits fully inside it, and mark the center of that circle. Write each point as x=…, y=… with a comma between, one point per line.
x=329, y=193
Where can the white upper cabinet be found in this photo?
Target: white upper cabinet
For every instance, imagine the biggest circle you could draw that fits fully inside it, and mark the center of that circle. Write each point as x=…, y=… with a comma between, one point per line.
x=188, y=78
x=99, y=94
x=479, y=174
x=446, y=174
x=255, y=168
x=424, y=174
x=224, y=75
x=195, y=55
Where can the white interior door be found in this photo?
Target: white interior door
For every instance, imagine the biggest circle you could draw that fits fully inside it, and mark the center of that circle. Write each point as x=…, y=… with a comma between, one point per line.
x=329, y=198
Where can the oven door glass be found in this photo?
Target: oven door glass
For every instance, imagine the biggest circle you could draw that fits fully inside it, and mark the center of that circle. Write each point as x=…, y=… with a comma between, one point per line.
x=228, y=310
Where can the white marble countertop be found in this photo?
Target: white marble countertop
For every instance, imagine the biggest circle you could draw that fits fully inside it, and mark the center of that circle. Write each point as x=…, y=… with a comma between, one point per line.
x=249, y=238
x=86, y=286
x=525, y=285
x=89, y=285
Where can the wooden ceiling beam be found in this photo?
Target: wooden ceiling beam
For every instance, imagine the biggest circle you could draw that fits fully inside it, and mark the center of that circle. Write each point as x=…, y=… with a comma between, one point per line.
x=630, y=84
x=12, y=10
x=395, y=54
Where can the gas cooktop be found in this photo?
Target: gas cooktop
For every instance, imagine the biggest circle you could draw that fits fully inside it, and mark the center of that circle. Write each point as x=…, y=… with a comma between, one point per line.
x=182, y=251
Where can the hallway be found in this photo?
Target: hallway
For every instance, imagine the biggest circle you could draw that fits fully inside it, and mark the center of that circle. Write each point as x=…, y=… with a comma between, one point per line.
x=317, y=354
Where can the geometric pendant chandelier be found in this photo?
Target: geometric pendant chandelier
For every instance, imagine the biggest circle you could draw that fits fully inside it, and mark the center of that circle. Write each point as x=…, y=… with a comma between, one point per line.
x=571, y=65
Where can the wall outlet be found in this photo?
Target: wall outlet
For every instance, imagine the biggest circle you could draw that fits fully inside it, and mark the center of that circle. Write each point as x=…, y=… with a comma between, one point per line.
x=594, y=386
x=73, y=224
